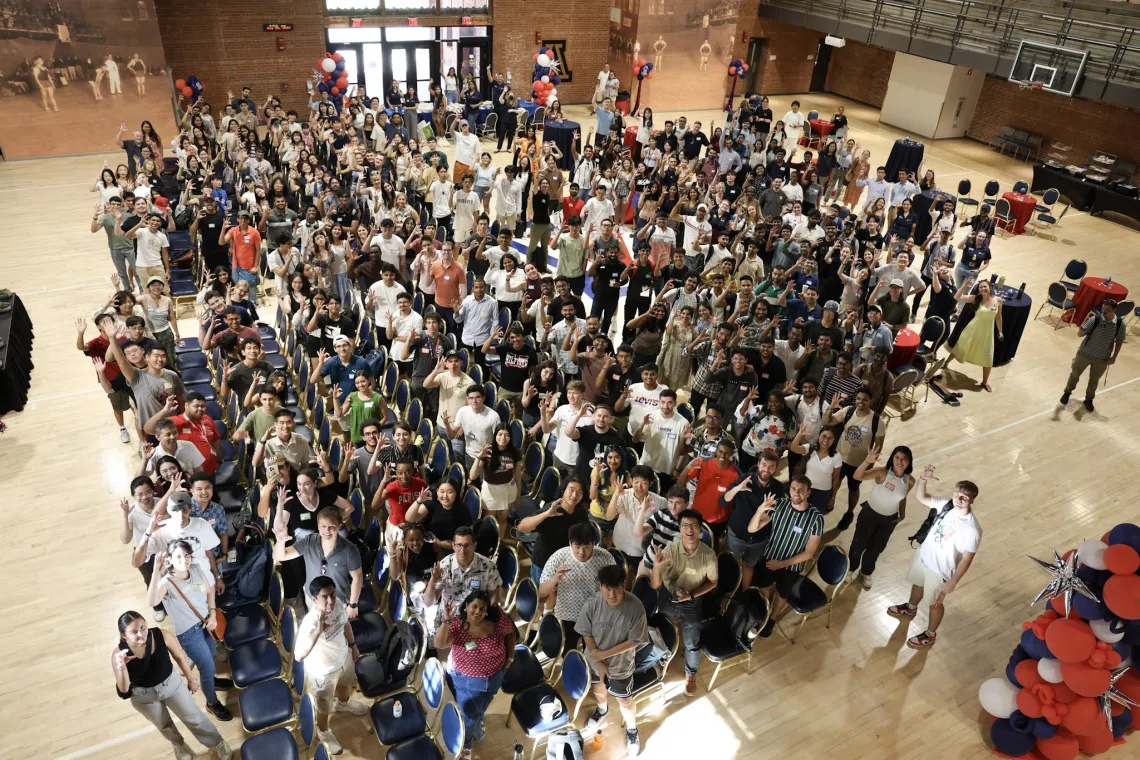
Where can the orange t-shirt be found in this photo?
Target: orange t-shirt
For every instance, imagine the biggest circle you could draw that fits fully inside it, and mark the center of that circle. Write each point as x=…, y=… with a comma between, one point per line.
x=447, y=282
x=244, y=247
x=711, y=485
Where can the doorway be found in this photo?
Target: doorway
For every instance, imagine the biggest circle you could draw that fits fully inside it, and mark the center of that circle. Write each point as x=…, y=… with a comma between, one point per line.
x=819, y=71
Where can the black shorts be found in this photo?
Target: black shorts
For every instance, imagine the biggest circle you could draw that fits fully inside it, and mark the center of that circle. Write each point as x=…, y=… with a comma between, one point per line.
x=784, y=579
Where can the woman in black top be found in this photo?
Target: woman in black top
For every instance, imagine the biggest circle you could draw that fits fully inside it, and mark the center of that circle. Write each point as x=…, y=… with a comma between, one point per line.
x=442, y=515
x=143, y=666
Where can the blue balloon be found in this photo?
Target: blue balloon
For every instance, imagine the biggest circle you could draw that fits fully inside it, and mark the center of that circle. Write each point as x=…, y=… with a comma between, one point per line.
x=1120, y=723
x=1034, y=646
x=1010, y=742
x=1125, y=533
x=1043, y=729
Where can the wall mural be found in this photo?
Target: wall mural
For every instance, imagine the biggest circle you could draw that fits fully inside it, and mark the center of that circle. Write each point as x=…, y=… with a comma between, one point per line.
x=73, y=71
x=689, y=43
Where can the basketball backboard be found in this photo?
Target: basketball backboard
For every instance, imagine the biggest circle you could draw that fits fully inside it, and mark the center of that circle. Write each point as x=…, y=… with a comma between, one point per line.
x=1054, y=69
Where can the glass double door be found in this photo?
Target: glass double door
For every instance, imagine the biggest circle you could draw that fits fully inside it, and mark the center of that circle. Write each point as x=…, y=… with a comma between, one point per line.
x=411, y=64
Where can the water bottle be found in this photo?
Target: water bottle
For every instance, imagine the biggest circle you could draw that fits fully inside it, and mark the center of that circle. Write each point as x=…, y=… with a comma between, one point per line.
x=518, y=752
x=397, y=709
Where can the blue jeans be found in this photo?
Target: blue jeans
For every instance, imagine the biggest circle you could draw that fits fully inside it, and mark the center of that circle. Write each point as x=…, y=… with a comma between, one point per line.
x=474, y=696
x=688, y=615
x=248, y=276
x=199, y=646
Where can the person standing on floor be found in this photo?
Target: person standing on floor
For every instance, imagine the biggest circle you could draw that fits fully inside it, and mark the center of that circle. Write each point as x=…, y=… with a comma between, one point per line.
x=948, y=541
x=885, y=508
x=143, y=664
x=1103, y=337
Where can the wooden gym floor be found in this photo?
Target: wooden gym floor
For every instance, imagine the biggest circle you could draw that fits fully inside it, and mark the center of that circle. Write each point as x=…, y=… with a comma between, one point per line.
x=1047, y=480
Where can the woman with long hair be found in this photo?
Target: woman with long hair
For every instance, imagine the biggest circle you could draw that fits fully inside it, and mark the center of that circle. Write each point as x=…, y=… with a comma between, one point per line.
x=500, y=466
x=143, y=667
x=976, y=342
x=883, y=510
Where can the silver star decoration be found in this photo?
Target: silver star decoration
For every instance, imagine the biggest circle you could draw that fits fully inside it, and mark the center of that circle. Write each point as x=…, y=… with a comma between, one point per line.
x=1064, y=581
x=1115, y=695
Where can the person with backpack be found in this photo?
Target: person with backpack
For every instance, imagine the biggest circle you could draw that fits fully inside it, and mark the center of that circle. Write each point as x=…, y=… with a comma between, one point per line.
x=947, y=542
x=859, y=430
x=1103, y=337
x=327, y=646
x=482, y=640
x=613, y=625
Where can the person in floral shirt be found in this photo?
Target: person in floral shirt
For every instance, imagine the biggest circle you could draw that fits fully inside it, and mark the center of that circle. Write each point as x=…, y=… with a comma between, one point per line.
x=770, y=427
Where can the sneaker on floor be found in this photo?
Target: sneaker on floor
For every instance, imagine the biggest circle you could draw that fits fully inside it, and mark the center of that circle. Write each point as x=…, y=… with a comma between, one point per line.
x=769, y=627
x=354, y=706
x=1065, y=398
x=223, y=684
x=865, y=580
x=691, y=685
x=845, y=521
x=632, y=743
x=328, y=738
x=1089, y=405
x=159, y=616
x=594, y=722
x=923, y=640
x=219, y=710
x=182, y=752
x=907, y=610
x=124, y=436
x=223, y=751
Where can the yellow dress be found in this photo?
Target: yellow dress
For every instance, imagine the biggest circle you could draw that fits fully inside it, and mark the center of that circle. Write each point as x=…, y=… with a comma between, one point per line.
x=976, y=343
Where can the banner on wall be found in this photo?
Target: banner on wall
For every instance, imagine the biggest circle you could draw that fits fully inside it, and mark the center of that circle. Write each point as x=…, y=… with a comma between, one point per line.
x=75, y=70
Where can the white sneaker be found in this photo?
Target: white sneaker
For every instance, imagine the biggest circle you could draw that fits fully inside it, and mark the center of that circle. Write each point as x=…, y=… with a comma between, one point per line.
x=159, y=616
x=223, y=751
x=328, y=738
x=354, y=706
x=182, y=752
x=124, y=436
x=866, y=580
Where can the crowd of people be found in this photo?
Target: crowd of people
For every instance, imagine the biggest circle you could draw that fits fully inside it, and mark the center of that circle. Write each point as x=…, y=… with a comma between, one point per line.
x=728, y=378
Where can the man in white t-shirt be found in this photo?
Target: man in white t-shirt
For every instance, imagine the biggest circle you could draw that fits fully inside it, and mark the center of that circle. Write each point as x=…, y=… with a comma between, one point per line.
x=566, y=449
x=663, y=431
x=327, y=646
x=953, y=535
x=474, y=424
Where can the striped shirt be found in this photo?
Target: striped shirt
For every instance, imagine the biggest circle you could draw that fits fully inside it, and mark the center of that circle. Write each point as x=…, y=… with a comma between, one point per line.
x=832, y=383
x=1100, y=335
x=791, y=530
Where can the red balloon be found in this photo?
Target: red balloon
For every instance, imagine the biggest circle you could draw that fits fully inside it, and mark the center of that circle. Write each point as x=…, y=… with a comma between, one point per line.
x=1084, y=680
x=187, y=91
x=1071, y=640
x=1027, y=675
x=337, y=57
x=1061, y=746
x=1122, y=559
x=1121, y=595
x=179, y=84
x=1097, y=743
x=1028, y=704
x=1084, y=717
x=334, y=91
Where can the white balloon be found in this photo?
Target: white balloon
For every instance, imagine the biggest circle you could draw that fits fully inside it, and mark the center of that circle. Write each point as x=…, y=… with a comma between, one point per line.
x=543, y=60
x=545, y=79
x=998, y=697
x=328, y=65
x=1050, y=670
x=1091, y=552
x=1102, y=631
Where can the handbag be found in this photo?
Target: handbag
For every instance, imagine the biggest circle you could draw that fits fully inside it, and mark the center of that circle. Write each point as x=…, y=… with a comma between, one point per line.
x=219, y=631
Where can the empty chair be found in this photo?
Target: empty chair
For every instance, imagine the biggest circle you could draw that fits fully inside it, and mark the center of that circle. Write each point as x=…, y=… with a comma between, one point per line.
x=808, y=598
x=1058, y=299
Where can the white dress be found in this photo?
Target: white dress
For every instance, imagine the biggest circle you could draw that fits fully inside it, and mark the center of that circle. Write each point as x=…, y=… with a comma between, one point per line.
x=793, y=130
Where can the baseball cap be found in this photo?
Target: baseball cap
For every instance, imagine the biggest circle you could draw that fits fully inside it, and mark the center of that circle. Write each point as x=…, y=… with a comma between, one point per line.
x=178, y=502
x=831, y=306
x=896, y=282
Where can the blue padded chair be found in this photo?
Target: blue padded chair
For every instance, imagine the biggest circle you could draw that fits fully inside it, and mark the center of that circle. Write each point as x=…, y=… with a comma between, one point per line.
x=1075, y=271
x=646, y=594
x=808, y=598
x=507, y=563
x=473, y=503
x=729, y=636
x=252, y=622
x=1058, y=299
x=526, y=706
x=432, y=746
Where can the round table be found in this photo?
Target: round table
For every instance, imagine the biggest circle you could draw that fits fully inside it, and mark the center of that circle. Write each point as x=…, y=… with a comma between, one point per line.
x=1021, y=206
x=906, y=348
x=562, y=133
x=1089, y=295
x=1014, y=316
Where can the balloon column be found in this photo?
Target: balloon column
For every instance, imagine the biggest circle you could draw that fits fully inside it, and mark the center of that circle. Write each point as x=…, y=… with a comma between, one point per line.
x=737, y=70
x=642, y=70
x=190, y=87
x=543, y=90
x=1071, y=684
x=334, y=79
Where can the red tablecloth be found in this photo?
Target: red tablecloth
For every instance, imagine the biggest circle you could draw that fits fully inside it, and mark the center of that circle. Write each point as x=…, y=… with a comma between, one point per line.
x=1089, y=295
x=906, y=348
x=630, y=137
x=1021, y=205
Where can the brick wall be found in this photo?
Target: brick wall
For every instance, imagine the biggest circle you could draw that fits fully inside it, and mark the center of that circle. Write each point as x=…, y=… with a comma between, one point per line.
x=223, y=45
x=860, y=72
x=1086, y=125
x=791, y=71
x=584, y=24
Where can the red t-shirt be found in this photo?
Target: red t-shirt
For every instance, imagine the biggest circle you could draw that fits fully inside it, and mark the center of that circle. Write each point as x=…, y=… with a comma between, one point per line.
x=479, y=658
x=97, y=347
x=712, y=483
x=203, y=434
x=244, y=247
x=571, y=207
x=399, y=498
